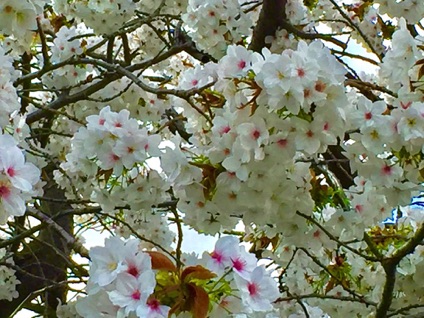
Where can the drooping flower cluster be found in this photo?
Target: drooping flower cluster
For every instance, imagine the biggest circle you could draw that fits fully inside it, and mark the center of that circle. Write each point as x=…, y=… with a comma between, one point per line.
x=17, y=179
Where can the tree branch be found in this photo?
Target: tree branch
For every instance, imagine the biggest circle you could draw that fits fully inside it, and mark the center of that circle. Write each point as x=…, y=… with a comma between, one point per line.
x=270, y=20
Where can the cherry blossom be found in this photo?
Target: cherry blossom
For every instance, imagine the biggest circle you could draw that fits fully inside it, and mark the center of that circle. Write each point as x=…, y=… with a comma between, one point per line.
x=107, y=261
x=221, y=256
x=131, y=293
x=153, y=310
x=259, y=291
x=22, y=175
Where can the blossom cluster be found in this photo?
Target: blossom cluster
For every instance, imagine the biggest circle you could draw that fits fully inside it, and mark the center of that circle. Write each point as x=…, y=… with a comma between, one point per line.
x=124, y=282
x=66, y=44
x=215, y=24
x=398, y=66
x=278, y=108
x=257, y=148
x=17, y=179
x=124, y=275
x=112, y=141
x=8, y=280
x=114, y=145
x=411, y=10
x=19, y=19
x=8, y=95
x=256, y=288
x=105, y=17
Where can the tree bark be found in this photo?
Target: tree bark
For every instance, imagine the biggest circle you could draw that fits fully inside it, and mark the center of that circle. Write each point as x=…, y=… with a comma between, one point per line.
x=271, y=18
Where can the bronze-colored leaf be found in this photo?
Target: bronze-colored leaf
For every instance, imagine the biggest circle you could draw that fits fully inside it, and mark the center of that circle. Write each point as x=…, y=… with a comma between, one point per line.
x=199, y=301
x=161, y=262
x=196, y=272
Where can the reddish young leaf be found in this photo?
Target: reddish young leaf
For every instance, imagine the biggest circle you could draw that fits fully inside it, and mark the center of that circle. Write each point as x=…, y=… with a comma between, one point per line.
x=196, y=272
x=161, y=262
x=199, y=301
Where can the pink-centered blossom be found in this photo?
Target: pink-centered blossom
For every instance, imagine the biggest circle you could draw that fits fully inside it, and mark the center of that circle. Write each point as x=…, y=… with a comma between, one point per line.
x=10, y=200
x=153, y=309
x=220, y=258
x=258, y=291
x=243, y=263
x=237, y=62
x=22, y=175
x=131, y=293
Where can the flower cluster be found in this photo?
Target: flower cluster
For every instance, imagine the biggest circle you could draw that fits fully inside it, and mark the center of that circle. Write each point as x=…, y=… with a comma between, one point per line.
x=215, y=24
x=8, y=95
x=105, y=18
x=66, y=45
x=115, y=147
x=123, y=273
x=398, y=65
x=256, y=288
x=112, y=141
x=8, y=280
x=17, y=179
x=128, y=282
x=411, y=10
x=277, y=108
x=18, y=18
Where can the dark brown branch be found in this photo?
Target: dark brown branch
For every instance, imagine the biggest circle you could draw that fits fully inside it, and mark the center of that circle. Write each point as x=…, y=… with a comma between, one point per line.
x=340, y=167
x=312, y=36
x=330, y=297
x=44, y=46
x=390, y=264
x=110, y=45
x=176, y=124
x=26, y=85
x=126, y=48
x=366, y=88
x=271, y=18
x=387, y=296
